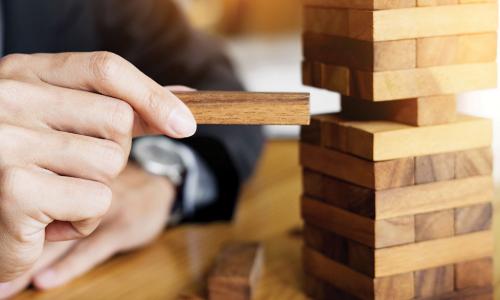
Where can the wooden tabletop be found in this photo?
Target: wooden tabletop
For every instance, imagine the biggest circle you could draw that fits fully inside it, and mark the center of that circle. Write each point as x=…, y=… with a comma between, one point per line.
x=178, y=261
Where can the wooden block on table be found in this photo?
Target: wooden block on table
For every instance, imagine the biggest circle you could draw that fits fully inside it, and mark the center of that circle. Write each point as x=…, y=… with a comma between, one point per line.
x=408, y=23
x=473, y=218
x=434, y=282
x=434, y=225
x=434, y=253
x=458, y=49
x=400, y=286
x=362, y=4
x=412, y=200
x=360, y=55
x=475, y=162
x=373, y=233
x=247, y=108
x=237, y=269
x=376, y=175
x=329, y=244
x=437, y=167
x=385, y=140
x=423, y=111
x=422, y=82
x=472, y=274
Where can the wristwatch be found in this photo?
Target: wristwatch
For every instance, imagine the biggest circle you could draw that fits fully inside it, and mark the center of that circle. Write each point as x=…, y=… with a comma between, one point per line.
x=159, y=156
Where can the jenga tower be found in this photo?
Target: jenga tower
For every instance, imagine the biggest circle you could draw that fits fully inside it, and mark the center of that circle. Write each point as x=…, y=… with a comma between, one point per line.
x=398, y=186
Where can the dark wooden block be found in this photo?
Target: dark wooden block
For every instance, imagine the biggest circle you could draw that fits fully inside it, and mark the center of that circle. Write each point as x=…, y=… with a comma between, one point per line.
x=476, y=273
x=434, y=225
x=320, y=290
x=349, y=196
x=473, y=218
x=434, y=282
x=329, y=244
x=312, y=183
x=432, y=168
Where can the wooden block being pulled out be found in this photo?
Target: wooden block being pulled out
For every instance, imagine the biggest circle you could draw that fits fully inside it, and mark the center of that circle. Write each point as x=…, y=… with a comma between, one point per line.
x=236, y=272
x=244, y=108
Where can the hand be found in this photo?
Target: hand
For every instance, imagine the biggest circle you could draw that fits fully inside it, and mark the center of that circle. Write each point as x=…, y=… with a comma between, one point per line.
x=139, y=212
x=66, y=123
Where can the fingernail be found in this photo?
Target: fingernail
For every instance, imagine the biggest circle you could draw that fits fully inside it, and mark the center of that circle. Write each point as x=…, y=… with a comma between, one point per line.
x=47, y=279
x=182, y=122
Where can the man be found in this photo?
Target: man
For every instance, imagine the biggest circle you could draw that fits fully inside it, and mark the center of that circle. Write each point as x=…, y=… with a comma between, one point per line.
x=67, y=118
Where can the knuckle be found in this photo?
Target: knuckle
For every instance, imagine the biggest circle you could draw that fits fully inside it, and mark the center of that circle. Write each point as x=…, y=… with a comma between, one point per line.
x=103, y=197
x=122, y=119
x=115, y=158
x=104, y=65
x=11, y=181
x=11, y=63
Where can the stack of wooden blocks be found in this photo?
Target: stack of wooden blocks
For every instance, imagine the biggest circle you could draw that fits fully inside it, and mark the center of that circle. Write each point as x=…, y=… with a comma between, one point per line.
x=398, y=186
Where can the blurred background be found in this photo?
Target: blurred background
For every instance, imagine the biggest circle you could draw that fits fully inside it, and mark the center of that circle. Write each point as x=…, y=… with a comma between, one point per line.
x=263, y=38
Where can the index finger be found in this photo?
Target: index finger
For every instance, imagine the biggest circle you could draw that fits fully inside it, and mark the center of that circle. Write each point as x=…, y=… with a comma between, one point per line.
x=109, y=74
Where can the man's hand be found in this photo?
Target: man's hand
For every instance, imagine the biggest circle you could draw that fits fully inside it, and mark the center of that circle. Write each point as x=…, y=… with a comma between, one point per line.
x=139, y=212
x=66, y=124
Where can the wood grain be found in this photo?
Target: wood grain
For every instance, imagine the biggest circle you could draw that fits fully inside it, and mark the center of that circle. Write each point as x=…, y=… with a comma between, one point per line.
x=435, y=253
x=361, y=4
x=458, y=49
x=357, y=284
x=434, y=282
x=247, y=108
x=473, y=218
x=434, y=225
x=423, y=111
x=329, y=244
x=472, y=274
x=327, y=21
x=236, y=272
x=373, y=233
x=437, y=167
x=375, y=175
x=419, y=22
x=385, y=140
x=359, y=55
x=475, y=162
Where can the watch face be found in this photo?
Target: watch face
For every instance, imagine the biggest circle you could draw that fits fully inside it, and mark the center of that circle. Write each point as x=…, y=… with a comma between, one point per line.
x=159, y=156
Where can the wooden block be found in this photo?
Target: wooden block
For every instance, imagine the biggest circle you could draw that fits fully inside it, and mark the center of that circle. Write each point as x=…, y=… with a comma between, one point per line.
x=320, y=290
x=375, y=175
x=412, y=200
x=473, y=218
x=385, y=140
x=312, y=183
x=373, y=233
x=361, y=4
x=237, y=269
x=325, y=20
x=421, y=82
x=247, y=108
x=408, y=23
x=357, y=284
x=475, y=162
x=423, y=111
x=360, y=55
x=436, y=2
x=437, y=167
x=457, y=49
x=472, y=274
x=329, y=244
x=311, y=134
x=434, y=225
x=336, y=78
x=361, y=258
x=435, y=253
x=485, y=293
x=434, y=282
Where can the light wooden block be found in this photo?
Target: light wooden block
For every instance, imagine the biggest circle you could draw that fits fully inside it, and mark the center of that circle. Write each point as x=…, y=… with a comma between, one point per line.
x=360, y=55
x=434, y=253
x=384, y=140
x=472, y=274
x=485, y=293
x=423, y=111
x=437, y=167
x=421, y=82
x=473, y=218
x=375, y=175
x=474, y=162
x=326, y=21
x=373, y=233
x=408, y=23
x=236, y=272
x=400, y=286
x=436, y=2
x=458, y=49
x=336, y=78
x=434, y=282
x=412, y=200
x=434, y=225
x=362, y=4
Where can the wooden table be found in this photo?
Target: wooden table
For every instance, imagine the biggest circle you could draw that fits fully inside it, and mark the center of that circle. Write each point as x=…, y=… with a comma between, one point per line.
x=178, y=261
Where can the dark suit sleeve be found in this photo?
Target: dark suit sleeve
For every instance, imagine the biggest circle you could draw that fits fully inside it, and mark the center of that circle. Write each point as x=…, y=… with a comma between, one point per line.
x=155, y=36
